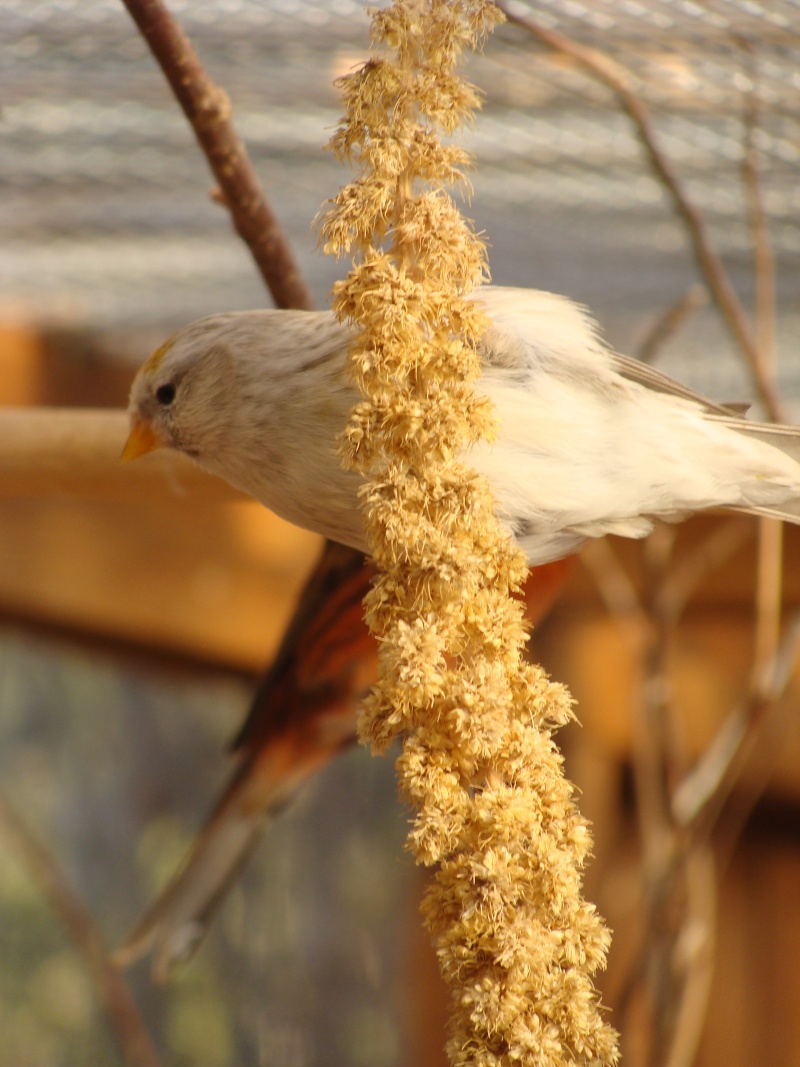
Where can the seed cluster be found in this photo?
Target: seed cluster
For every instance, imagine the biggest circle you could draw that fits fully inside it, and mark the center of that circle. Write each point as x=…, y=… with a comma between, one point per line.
x=494, y=814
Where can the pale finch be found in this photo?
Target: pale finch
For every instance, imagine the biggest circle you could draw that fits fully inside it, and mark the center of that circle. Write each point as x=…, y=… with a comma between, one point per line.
x=589, y=443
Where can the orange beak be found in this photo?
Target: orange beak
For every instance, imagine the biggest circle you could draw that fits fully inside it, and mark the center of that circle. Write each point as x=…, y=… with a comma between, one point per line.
x=141, y=440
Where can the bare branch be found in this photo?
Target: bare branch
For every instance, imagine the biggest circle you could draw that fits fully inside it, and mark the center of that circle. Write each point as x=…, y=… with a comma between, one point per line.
x=694, y=951
x=123, y=1016
x=668, y=324
x=208, y=109
x=763, y=255
x=615, y=587
x=616, y=78
x=769, y=582
x=700, y=798
x=694, y=565
x=768, y=598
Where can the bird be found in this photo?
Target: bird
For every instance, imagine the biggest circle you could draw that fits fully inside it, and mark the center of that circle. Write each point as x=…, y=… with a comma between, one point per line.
x=589, y=442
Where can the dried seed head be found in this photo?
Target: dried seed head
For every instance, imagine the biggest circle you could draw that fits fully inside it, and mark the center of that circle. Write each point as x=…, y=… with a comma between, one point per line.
x=494, y=813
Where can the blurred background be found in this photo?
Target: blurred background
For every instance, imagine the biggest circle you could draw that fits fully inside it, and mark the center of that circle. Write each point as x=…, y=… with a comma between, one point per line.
x=132, y=631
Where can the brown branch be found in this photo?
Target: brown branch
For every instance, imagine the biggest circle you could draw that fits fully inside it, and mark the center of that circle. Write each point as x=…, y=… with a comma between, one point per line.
x=690, y=569
x=694, y=952
x=615, y=589
x=705, y=793
x=763, y=255
x=768, y=597
x=672, y=857
x=701, y=797
x=707, y=258
x=769, y=582
x=670, y=322
x=121, y=1011
x=208, y=109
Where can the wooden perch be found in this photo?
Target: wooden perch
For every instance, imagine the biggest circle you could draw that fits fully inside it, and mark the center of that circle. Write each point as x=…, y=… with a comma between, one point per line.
x=153, y=552
x=59, y=452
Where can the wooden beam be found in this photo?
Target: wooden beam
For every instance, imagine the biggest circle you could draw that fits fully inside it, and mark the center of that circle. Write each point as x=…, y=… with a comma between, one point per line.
x=154, y=552
x=56, y=453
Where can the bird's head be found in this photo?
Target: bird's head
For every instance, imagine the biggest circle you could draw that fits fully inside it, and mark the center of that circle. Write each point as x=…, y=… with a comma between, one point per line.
x=183, y=396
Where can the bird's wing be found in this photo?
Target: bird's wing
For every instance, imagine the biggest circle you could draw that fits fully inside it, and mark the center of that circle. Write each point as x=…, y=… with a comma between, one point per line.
x=633, y=370
x=533, y=329
x=533, y=326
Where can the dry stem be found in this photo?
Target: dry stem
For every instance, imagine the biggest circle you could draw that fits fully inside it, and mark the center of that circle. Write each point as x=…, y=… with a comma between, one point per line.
x=77, y=452
x=493, y=813
x=708, y=260
x=123, y=1016
x=671, y=322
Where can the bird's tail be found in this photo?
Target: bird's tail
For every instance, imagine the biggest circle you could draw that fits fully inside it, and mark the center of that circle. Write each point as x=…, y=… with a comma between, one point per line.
x=176, y=922
x=785, y=439
x=303, y=714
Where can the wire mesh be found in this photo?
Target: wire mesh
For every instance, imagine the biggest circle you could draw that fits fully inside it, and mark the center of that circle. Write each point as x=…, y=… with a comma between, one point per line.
x=104, y=198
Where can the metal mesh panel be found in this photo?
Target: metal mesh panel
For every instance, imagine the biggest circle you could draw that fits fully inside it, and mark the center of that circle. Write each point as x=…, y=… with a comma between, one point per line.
x=105, y=212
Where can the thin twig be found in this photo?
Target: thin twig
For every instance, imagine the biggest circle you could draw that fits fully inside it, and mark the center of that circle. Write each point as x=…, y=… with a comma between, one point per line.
x=615, y=588
x=208, y=110
x=121, y=1011
x=643, y=632
x=616, y=78
x=695, y=564
x=657, y=757
x=695, y=957
x=763, y=254
x=675, y=953
x=751, y=787
x=670, y=322
x=659, y=761
x=701, y=796
x=769, y=579
x=768, y=596
x=675, y=859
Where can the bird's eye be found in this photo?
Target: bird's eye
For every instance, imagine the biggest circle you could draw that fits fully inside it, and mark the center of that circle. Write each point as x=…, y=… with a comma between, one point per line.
x=165, y=394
